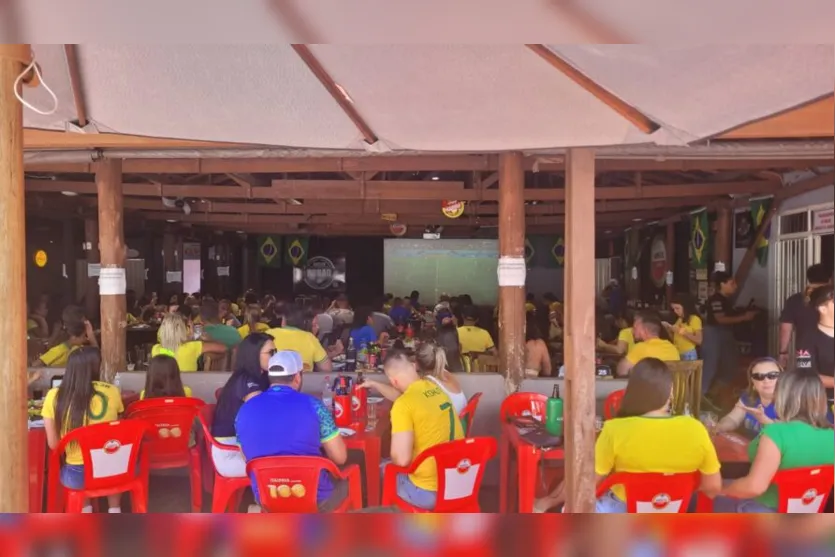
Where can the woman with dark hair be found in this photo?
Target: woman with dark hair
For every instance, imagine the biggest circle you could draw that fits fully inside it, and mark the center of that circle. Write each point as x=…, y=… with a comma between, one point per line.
x=803, y=437
x=720, y=352
x=81, y=399
x=249, y=379
x=450, y=343
x=163, y=379
x=686, y=332
x=537, y=357
x=816, y=349
x=645, y=438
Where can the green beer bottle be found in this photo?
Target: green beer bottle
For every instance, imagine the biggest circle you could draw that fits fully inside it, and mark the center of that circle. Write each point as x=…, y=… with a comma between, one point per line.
x=554, y=413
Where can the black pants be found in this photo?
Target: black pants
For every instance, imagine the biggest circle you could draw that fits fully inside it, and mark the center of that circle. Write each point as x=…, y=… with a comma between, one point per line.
x=720, y=354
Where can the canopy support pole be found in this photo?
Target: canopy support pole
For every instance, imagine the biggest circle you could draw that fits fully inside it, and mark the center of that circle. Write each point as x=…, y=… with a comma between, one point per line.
x=724, y=233
x=112, y=283
x=511, y=284
x=580, y=336
x=14, y=469
x=671, y=259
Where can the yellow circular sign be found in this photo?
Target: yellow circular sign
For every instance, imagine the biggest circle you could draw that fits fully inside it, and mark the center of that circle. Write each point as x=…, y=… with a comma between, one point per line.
x=453, y=209
x=40, y=258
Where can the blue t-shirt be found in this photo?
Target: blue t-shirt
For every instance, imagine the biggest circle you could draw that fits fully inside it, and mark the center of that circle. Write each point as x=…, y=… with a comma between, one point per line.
x=751, y=423
x=284, y=422
x=364, y=335
x=400, y=315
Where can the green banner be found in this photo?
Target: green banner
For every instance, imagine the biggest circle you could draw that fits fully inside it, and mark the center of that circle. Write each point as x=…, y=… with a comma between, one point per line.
x=759, y=209
x=269, y=251
x=545, y=251
x=699, y=239
x=295, y=250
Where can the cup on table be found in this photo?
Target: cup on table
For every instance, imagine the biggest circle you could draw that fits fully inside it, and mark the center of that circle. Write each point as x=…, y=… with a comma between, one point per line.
x=372, y=415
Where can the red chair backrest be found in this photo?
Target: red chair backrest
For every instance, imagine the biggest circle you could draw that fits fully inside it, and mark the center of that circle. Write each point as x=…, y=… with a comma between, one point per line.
x=461, y=466
x=110, y=451
x=653, y=492
x=804, y=490
x=468, y=414
x=518, y=405
x=289, y=484
x=612, y=404
x=170, y=421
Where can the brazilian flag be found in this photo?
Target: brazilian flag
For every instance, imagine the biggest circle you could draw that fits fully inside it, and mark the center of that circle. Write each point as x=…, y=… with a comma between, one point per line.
x=699, y=238
x=759, y=208
x=269, y=251
x=545, y=251
x=530, y=252
x=295, y=250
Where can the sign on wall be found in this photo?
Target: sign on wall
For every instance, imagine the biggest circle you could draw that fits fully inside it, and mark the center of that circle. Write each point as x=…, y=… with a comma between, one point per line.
x=823, y=220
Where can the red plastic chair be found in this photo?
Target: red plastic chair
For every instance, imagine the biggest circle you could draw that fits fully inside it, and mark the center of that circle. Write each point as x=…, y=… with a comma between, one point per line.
x=461, y=467
x=468, y=414
x=226, y=492
x=519, y=405
x=289, y=484
x=167, y=443
x=654, y=493
x=612, y=404
x=804, y=490
x=113, y=464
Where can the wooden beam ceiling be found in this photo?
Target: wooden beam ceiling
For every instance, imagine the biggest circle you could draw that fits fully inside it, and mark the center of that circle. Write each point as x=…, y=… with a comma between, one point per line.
x=77, y=84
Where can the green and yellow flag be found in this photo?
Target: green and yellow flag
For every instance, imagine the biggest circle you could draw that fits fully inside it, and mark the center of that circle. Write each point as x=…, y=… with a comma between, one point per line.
x=269, y=251
x=699, y=238
x=545, y=251
x=296, y=250
x=759, y=208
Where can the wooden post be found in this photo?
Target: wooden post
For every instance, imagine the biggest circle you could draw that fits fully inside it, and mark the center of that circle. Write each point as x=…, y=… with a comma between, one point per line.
x=580, y=336
x=91, y=249
x=14, y=474
x=671, y=257
x=112, y=283
x=512, y=269
x=722, y=245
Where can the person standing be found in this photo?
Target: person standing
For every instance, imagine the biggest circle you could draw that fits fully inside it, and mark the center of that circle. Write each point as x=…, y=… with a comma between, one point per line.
x=816, y=348
x=798, y=316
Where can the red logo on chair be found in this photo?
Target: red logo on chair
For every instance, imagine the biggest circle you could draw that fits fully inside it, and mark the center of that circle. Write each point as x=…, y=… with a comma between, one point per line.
x=809, y=497
x=111, y=446
x=660, y=501
x=463, y=466
x=337, y=410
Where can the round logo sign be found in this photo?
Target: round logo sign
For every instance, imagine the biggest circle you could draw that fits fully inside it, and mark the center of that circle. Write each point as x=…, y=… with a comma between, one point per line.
x=318, y=273
x=660, y=501
x=40, y=258
x=337, y=410
x=111, y=446
x=355, y=403
x=658, y=261
x=463, y=466
x=453, y=209
x=398, y=229
x=809, y=496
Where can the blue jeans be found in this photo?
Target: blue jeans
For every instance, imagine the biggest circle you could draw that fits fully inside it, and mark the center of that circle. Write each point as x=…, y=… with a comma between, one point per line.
x=411, y=493
x=689, y=356
x=72, y=476
x=610, y=504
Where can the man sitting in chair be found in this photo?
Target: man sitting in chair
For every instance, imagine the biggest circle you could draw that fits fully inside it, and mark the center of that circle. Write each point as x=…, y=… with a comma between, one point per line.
x=648, y=329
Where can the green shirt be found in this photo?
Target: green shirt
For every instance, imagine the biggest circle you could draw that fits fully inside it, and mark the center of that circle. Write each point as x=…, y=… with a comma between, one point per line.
x=800, y=445
x=224, y=334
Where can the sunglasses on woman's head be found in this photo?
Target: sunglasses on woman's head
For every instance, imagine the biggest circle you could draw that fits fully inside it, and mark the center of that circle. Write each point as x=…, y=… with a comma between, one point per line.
x=772, y=375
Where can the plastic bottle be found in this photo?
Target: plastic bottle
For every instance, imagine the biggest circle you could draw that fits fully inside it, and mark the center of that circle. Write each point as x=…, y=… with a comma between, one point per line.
x=554, y=413
x=351, y=356
x=327, y=392
x=117, y=382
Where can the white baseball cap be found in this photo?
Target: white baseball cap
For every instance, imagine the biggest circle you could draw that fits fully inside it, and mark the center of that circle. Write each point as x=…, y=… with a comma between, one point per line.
x=285, y=363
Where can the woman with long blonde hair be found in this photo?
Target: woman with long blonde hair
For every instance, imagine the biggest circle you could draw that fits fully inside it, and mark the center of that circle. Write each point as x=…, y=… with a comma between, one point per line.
x=175, y=340
x=252, y=321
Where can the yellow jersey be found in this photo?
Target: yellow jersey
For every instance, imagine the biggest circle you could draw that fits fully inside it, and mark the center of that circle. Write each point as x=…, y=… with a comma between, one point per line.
x=693, y=324
x=58, y=355
x=186, y=355
x=474, y=339
x=628, y=336
x=303, y=342
x=105, y=406
x=426, y=411
x=664, y=350
x=244, y=331
x=666, y=445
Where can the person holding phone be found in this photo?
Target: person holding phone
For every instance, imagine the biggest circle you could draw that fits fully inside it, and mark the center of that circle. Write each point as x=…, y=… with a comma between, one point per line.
x=755, y=408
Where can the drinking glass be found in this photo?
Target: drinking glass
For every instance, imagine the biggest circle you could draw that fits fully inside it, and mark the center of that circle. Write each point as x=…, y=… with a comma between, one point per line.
x=372, y=416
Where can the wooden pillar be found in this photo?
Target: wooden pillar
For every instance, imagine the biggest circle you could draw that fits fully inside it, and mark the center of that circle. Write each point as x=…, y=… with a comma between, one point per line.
x=91, y=249
x=671, y=258
x=14, y=475
x=511, y=269
x=580, y=336
x=112, y=283
x=724, y=233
